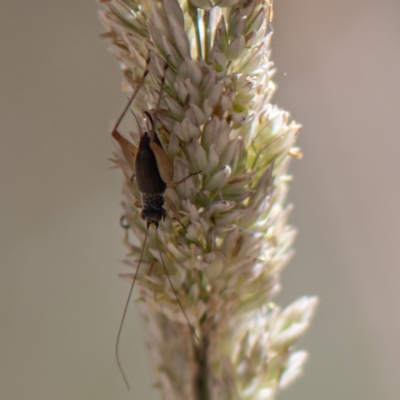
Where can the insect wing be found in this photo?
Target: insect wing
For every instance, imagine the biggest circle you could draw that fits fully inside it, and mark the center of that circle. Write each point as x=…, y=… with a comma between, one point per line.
x=147, y=174
x=164, y=164
x=127, y=148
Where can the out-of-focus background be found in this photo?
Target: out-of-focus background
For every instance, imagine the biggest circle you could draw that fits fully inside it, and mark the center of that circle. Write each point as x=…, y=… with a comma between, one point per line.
x=60, y=298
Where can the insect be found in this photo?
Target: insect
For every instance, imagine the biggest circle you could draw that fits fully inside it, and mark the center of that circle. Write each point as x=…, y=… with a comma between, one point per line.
x=154, y=173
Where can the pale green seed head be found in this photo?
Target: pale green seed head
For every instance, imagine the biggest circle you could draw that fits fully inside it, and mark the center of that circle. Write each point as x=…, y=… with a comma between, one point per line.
x=215, y=116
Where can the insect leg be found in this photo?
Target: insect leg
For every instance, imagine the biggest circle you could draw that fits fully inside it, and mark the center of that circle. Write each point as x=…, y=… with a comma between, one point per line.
x=115, y=133
x=125, y=310
x=128, y=149
x=174, y=185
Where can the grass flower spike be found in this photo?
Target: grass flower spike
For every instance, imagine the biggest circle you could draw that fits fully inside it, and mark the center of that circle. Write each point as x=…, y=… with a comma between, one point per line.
x=225, y=238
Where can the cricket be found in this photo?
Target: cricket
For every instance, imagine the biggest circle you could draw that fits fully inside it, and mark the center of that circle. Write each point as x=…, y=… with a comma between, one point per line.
x=153, y=171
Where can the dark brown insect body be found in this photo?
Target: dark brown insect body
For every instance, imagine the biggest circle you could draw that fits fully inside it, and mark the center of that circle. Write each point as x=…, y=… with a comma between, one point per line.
x=149, y=181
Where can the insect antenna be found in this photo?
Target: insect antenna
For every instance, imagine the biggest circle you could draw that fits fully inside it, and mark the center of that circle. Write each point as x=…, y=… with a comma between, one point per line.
x=125, y=310
x=173, y=289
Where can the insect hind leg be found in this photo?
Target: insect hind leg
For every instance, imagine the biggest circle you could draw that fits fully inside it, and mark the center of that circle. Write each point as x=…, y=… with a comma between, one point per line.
x=115, y=134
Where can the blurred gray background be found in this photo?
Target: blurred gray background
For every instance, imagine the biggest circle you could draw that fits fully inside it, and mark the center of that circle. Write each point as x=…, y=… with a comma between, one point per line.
x=60, y=298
